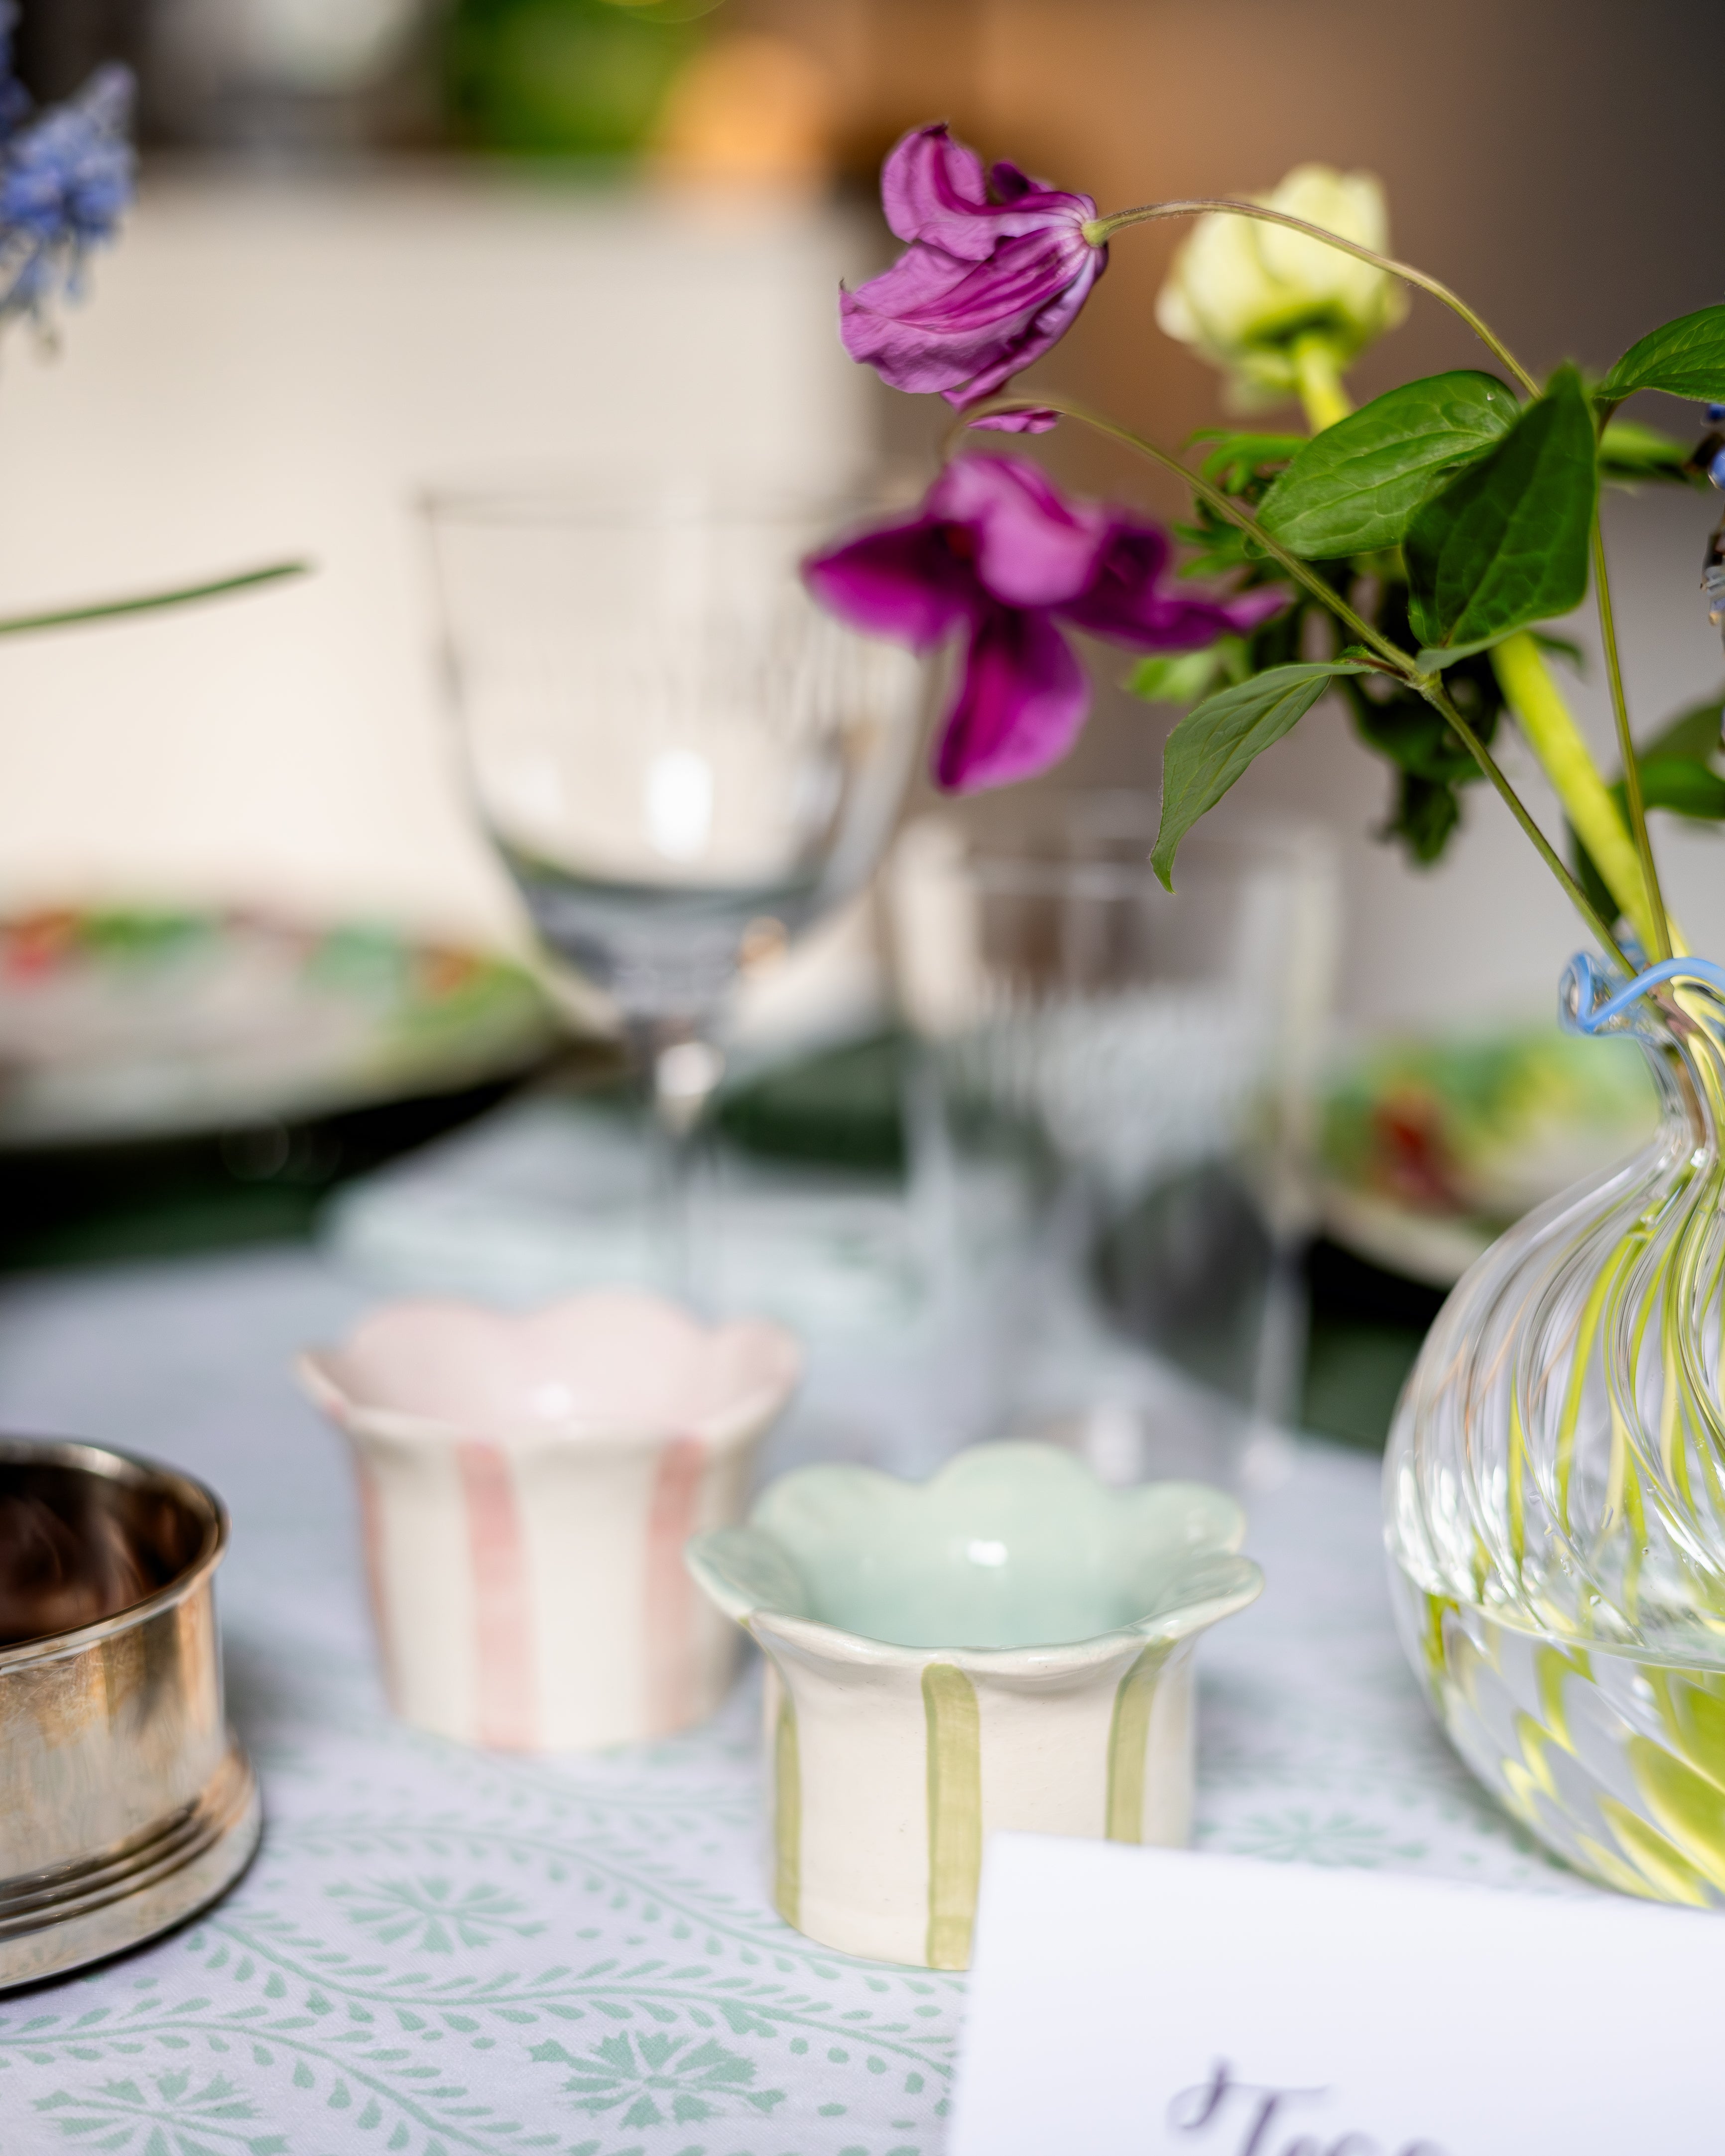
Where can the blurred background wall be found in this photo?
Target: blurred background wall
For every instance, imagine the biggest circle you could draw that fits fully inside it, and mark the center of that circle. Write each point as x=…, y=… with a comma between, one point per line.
x=383, y=242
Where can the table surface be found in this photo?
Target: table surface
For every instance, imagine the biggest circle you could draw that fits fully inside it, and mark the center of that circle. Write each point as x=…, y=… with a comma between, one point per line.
x=439, y=1950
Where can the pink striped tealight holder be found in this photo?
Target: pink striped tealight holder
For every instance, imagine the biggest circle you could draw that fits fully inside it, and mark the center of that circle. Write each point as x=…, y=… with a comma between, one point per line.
x=527, y=1485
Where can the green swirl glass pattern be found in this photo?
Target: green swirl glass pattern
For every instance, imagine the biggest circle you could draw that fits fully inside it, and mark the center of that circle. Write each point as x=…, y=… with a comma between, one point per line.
x=1555, y=1495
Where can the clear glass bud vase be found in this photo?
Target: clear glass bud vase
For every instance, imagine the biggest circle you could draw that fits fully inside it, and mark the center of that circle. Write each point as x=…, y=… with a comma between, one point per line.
x=1555, y=1488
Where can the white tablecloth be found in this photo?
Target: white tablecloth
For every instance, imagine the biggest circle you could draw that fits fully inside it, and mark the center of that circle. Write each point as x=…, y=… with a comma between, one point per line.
x=439, y=1950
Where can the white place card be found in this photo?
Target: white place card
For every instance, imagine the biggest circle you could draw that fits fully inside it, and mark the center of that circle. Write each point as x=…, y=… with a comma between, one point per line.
x=1144, y=2002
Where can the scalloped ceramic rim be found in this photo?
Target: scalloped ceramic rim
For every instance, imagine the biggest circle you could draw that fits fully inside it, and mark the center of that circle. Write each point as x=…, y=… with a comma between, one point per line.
x=888, y=1765
x=527, y=1586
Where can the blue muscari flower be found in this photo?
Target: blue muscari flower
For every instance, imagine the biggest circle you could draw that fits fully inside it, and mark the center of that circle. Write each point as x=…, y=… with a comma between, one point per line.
x=66, y=179
x=1716, y=469
x=1716, y=413
x=14, y=98
x=1712, y=583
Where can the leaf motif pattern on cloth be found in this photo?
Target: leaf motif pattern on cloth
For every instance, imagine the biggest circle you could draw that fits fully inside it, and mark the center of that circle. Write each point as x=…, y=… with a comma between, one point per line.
x=445, y=1952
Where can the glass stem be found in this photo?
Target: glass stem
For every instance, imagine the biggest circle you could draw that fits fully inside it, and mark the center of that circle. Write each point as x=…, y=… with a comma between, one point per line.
x=681, y=1068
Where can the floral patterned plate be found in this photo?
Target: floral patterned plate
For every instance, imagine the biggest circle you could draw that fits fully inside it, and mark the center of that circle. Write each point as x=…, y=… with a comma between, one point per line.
x=1431, y=1146
x=129, y=1024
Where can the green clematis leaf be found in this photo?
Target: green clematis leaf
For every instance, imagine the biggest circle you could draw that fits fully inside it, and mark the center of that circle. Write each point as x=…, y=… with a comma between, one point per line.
x=1678, y=775
x=1629, y=452
x=1353, y=488
x=1561, y=647
x=1684, y=786
x=1685, y=358
x=1214, y=744
x=1434, y=657
x=1185, y=676
x=1506, y=541
x=1693, y=736
x=1237, y=463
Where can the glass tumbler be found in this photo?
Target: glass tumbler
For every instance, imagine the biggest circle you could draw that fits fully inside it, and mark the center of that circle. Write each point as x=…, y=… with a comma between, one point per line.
x=1110, y=1117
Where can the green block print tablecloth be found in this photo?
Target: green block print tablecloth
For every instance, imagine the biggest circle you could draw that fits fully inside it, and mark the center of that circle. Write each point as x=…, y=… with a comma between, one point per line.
x=442, y=1951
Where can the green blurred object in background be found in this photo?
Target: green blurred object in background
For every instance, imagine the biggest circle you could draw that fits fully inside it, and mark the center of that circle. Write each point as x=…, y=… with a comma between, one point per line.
x=566, y=78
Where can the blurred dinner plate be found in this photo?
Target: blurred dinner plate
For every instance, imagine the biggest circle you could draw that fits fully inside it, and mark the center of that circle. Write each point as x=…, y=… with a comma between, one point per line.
x=120, y=1025
x=1432, y=1145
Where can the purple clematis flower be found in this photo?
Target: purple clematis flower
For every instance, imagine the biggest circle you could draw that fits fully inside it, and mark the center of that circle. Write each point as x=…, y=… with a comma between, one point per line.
x=998, y=556
x=984, y=287
x=1032, y=420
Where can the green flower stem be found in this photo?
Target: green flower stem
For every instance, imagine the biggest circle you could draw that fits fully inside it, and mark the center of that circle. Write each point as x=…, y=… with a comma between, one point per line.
x=1319, y=380
x=1396, y=661
x=148, y=602
x=1429, y=687
x=1660, y=946
x=1100, y=230
x=1555, y=739
x=1545, y=719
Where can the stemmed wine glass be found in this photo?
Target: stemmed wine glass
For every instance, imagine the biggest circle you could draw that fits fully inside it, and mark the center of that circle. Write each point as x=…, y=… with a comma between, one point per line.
x=681, y=760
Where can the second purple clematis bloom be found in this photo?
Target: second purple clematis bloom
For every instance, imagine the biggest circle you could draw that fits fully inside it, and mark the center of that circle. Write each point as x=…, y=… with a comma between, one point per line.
x=998, y=556
x=985, y=287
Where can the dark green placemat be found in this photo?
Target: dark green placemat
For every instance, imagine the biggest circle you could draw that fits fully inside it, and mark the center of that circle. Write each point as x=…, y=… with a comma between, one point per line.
x=259, y=1183
x=1366, y=1327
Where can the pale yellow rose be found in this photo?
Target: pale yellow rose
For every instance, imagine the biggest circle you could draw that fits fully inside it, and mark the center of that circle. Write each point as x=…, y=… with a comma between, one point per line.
x=1245, y=293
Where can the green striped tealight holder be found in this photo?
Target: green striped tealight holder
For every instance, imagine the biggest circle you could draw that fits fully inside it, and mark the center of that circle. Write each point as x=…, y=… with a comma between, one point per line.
x=1007, y=1646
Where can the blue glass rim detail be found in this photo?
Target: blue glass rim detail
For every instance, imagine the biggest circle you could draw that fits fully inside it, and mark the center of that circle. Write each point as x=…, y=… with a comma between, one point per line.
x=1578, y=1010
